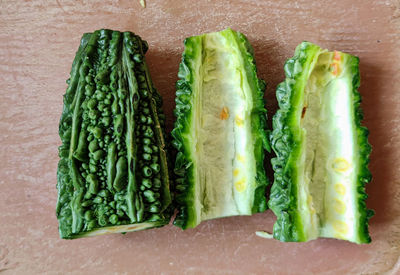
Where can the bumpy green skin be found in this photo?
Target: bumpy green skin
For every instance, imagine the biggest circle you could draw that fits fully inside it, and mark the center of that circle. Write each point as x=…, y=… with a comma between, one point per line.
x=285, y=142
x=364, y=175
x=112, y=130
x=184, y=169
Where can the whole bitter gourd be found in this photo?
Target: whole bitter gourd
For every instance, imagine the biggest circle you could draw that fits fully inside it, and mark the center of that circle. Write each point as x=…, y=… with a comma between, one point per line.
x=112, y=175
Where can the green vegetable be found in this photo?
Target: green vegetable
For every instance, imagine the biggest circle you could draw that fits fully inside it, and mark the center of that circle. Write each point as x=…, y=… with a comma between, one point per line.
x=107, y=165
x=220, y=130
x=322, y=151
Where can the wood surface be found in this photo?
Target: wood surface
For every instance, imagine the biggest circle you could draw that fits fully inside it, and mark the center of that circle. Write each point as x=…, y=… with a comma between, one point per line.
x=38, y=40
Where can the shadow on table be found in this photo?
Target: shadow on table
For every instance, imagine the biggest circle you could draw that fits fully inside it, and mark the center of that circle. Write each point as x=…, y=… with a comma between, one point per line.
x=270, y=57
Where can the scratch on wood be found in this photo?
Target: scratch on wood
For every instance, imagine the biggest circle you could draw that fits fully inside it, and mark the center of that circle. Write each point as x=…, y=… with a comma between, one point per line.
x=395, y=268
x=396, y=12
x=61, y=7
x=4, y=261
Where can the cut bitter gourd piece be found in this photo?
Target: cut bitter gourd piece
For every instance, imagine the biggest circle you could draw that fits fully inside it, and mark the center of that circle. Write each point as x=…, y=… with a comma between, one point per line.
x=112, y=175
x=220, y=130
x=322, y=151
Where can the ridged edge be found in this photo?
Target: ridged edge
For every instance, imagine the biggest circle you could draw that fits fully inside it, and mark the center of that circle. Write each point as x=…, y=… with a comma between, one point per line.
x=183, y=166
x=283, y=194
x=364, y=175
x=64, y=184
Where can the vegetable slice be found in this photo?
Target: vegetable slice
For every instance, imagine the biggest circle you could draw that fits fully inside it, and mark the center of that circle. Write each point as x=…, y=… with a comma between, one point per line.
x=322, y=151
x=220, y=130
x=112, y=115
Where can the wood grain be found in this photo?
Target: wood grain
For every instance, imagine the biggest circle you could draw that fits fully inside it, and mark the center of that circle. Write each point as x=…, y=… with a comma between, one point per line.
x=38, y=40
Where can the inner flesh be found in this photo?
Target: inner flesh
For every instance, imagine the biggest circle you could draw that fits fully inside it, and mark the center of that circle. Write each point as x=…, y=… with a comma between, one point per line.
x=328, y=175
x=224, y=165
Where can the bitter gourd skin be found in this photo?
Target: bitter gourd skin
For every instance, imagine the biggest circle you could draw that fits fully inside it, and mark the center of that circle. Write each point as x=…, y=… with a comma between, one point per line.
x=220, y=130
x=322, y=151
x=112, y=175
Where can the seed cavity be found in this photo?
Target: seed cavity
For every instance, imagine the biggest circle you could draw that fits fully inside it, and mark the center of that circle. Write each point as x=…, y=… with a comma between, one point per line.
x=340, y=227
x=240, y=185
x=339, y=206
x=340, y=188
x=340, y=165
x=239, y=121
x=240, y=158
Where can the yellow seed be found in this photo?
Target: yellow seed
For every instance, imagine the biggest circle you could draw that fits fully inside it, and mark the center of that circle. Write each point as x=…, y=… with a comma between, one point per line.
x=340, y=188
x=224, y=115
x=236, y=172
x=340, y=165
x=337, y=56
x=238, y=121
x=336, y=66
x=340, y=227
x=240, y=158
x=335, y=69
x=339, y=206
x=240, y=185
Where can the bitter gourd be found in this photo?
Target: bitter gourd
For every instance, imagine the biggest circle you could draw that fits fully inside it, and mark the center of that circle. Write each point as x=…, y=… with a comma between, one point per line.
x=322, y=151
x=220, y=130
x=112, y=175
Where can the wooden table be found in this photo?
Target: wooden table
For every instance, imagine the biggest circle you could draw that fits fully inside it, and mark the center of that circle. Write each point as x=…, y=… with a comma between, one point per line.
x=38, y=40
